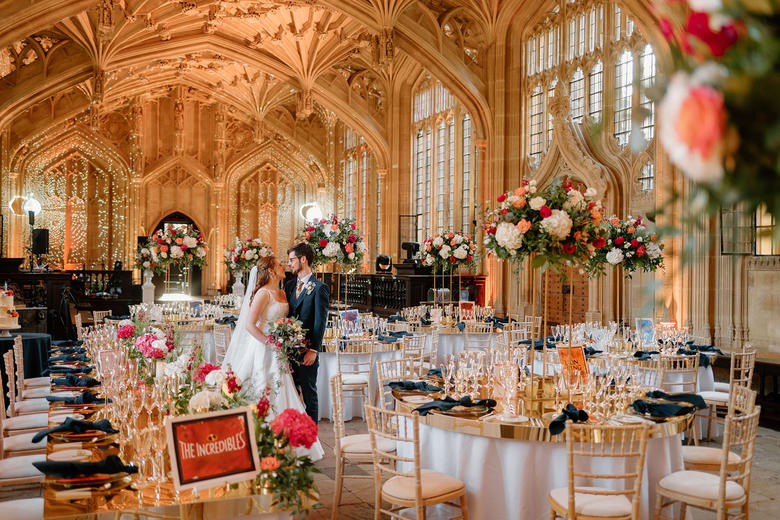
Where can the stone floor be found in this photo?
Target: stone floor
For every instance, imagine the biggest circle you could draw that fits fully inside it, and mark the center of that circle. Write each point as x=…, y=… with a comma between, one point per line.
x=357, y=501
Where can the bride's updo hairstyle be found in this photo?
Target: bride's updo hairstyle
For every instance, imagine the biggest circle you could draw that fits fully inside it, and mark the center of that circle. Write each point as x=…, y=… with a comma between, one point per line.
x=265, y=271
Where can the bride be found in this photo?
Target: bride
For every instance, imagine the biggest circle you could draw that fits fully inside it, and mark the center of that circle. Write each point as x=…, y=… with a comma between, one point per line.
x=255, y=363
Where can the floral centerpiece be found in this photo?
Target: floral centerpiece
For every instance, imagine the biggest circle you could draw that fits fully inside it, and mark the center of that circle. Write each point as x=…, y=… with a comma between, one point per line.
x=719, y=112
x=180, y=247
x=244, y=255
x=563, y=224
x=146, y=259
x=288, y=337
x=334, y=240
x=631, y=245
x=449, y=251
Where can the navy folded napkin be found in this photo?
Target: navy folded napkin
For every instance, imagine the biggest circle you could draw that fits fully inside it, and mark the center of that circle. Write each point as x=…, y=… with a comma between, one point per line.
x=425, y=322
x=704, y=359
x=695, y=399
x=86, y=397
x=231, y=320
x=388, y=339
x=538, y=343
x=448, y=403
x=67, y=343
x=590, y=351
x=76, y=426
x=399, y=333
x=69, y=350
x=569, y=412
x=70, y=358
x=71, y=380
x=645, y=354
x=661, y=410
x=414, y=385
x=117, y=318
x=435, y=372
x=461, y=326
x=395, y=317
x=68, y=370
x=69, y=469
x=706, y=348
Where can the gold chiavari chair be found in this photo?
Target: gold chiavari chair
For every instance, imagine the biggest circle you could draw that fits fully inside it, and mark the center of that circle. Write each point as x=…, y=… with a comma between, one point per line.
x=626, y=443
x=478, y=336
x=413, y=347
x=395, y=370
x=680, y=374
x=431, y=355
x=97, y=317
x=191, y=332
x=418, y=488
x=77, y=323
x=222, y=333
x=22, y=443
x=723, y=386
x=355, y=358
x=740, y=375
x=725, y=491
x=21, y=423
x=17, y=406
x=349, y=449
x=26, y=383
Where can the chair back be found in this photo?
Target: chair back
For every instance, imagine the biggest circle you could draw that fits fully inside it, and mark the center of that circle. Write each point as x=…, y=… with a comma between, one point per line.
x=394, y=427
x=97, y=316
x=222, y=333
x=432, y=354
x=627, y=443
x=739, y=436
x=190, y=333
x=77, y=323
x=741, y=368
x=350, y=361
x=19, y=357
x=478, y=338
x=742, y=400
x=338, y=411
x=11, y=376
x=649, y=373
x=413, y=347
x=395, y=370
x=679, y=373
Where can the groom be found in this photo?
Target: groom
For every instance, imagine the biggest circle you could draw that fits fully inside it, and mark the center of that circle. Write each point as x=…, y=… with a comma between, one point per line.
x=309, y=300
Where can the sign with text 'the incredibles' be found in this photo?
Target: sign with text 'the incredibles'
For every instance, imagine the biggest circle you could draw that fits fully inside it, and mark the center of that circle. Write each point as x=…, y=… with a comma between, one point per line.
x=213, y=448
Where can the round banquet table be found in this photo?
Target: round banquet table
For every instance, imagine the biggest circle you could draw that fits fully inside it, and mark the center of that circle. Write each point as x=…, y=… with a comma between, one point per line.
x=36, y=353
x=452, y=343
x=509, y=475
x=329, y=367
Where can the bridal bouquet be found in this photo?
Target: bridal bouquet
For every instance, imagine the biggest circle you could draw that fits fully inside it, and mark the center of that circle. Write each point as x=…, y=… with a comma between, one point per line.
x=448, y=251
x=631, y=245
x=563, y=224
x=335, y=240
x=288, y=337
x=179, y=247
x=244, y=255
x=720, y=111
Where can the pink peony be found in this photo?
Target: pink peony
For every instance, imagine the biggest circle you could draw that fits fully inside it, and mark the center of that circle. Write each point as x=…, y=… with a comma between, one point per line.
x=203, y=370
x=125, y=332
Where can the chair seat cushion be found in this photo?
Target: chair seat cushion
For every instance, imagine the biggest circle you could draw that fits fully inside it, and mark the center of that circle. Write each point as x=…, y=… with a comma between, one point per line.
x=32, y=405
x=722, y=387
x=22, y=509
x=705, y=455
x=354, y=379
x=24, y=422
x=32, y=382
x=593, y=505
x=35, y=392
x=361, y=443
x=700, y=484
x=433, y=484
x=22, y=442
x=21, y=467
x=718, y=397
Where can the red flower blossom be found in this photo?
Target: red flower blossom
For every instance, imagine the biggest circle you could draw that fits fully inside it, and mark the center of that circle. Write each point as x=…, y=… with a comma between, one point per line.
x=352, y=238
x=491, y=230
x=619, y=241
x=323, y=242
x=159, y=240
x=164, y=248
x=232, y=383
x=203, y=370
x=634, y=242
x=501, y=198
x=504, y=211
x=469, y=258
x=352, y=226
x=545, y=212
x=569, y=249
x=310, y=229
x=641, y=251
x=453, y=259
x=297, y=427
x=599, y=243
x=125, y=331
x=698, y=26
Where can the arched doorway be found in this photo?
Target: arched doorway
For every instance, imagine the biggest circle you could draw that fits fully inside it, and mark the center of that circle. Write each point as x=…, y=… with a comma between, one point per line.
x=176, y=219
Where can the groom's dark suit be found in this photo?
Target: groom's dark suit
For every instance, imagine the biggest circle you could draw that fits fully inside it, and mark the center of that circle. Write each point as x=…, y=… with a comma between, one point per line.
x=311, y=307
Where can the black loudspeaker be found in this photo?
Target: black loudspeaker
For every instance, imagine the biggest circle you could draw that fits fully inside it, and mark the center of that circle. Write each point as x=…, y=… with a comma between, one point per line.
x=40, y=241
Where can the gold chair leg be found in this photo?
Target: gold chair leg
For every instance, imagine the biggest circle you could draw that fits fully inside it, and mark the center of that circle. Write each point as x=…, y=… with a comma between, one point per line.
x=464, y=507
x=659, y=505
x=339, y=485
x=683, y=508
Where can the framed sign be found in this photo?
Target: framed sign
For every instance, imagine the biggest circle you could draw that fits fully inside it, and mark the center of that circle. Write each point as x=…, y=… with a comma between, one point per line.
x=196, y=308
x=467, y=311
x=211, y=449
x=573, y=361
x=645, y=328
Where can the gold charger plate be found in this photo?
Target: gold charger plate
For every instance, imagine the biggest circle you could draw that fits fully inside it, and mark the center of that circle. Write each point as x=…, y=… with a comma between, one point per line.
x=88, y=436
x=465, y=412
x=98, y=480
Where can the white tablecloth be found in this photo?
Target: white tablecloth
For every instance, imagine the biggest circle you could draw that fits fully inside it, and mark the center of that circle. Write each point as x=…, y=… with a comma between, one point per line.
x=452, y=344
x=511, y=479
x=329, y=367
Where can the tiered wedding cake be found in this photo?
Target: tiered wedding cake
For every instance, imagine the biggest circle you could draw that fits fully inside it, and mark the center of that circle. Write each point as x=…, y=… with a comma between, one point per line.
x=9, y=318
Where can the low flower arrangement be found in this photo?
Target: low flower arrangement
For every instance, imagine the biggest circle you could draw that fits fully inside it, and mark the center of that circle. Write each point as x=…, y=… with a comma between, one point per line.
x=631, y=245
x=335, y=240
x=288, y=337
x=449, y=251
x=244, y=255
x=719, y=111
x=563, y=225
x=179, y=247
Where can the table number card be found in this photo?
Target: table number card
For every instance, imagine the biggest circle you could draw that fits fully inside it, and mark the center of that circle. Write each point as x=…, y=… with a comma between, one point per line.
x=213, y=448
x=573, y=361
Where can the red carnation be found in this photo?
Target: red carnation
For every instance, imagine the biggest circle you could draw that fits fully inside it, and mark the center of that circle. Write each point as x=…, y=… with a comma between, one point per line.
x=569, y=248
x=634, y=242
x=469, y=258
x=491, y=230
x=297, y=427
x=323, y=242
x=640, y=251
x=501, y=198
x=599, y=243
x=504, y=211
x=619, y=241
x=545, y=212
x=352, y=226
x=352, y=238
x=125, y=332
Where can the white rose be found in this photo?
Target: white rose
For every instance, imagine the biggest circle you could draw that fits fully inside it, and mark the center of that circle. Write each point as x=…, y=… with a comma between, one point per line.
x=590, y=193
x=331, y=250
x=458, y=239
x=125, y=322
x=536, y=203
x=428, y=260
x=351, y=256
x=249, y=254
x=176, y=252
x=164, y=254
x=215, y=378
x=200, y=252
x=445, y=252
x=190, y=242
x=160, y=344
x=159, y=334
x=204, y=400
x=615, y=256
x=460, y=253
x=509, y=237
x=558, y=225
x=653, y=250
x=144, y=251
x=706, y=5
x=574, y=200
x=172, y=369
x=147, y=264
x=438, y=242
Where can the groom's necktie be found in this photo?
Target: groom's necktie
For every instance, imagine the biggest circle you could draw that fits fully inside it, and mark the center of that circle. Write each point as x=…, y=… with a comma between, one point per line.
x=299, y=289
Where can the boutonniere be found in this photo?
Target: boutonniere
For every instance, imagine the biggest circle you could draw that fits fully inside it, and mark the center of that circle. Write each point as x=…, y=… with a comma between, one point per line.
x=309, y=287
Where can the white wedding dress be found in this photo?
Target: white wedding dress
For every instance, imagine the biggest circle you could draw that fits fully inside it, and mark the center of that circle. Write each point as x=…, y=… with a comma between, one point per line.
x=257, y=366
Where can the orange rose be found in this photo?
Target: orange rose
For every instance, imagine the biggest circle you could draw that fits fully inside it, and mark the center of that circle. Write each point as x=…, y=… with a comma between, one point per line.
x=523, y=226
x=428, y=247
x=630, y=229
x=179, y=241
x=519, y=203
x=269, y=464
x=334, y=227
x=653, y=237
x=519, y=192
x=349, y=247
x=596, y=214
x=614, y=221
x=453, y=243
